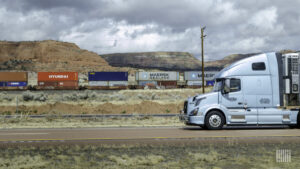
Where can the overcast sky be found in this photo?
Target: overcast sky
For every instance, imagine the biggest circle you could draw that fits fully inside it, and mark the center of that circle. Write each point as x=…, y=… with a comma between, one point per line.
x=110, y=26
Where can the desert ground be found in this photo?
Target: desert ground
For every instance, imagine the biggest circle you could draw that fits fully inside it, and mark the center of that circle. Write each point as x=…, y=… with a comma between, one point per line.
x=189, y=148
x=95, y=101
x=226, y=155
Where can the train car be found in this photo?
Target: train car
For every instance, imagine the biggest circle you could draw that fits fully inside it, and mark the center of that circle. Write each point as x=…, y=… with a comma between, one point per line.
x=197, y=75
x=194, y=83
x=108, y=80
x=167, y=84
x=58, y=80
x=98, y=83
x=194, y=78
x=2, y=84
x=13, y=80
x=148, y=83
x=108, y=76
x=159, y=79
x=210, y=83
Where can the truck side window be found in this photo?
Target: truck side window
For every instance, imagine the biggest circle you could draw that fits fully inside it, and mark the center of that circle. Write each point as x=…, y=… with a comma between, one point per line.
x=258, y=66
x=235, y=85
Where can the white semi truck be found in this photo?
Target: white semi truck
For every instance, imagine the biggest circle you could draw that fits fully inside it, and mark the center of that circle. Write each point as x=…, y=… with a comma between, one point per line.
x=259, y=90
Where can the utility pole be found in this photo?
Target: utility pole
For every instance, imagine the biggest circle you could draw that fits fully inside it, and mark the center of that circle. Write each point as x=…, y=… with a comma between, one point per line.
x=202, y=49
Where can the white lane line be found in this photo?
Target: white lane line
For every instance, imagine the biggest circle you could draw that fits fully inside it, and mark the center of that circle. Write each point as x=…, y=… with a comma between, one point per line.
x=12, y=134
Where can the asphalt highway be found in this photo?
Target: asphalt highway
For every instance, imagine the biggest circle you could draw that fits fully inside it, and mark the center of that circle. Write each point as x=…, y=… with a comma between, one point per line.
x=137, y=134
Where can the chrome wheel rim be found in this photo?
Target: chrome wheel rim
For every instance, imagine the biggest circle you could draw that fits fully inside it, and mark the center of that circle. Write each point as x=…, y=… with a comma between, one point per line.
x=215, y=120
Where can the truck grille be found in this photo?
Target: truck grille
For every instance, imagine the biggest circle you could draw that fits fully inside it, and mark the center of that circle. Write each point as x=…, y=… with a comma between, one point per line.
x=185, y=107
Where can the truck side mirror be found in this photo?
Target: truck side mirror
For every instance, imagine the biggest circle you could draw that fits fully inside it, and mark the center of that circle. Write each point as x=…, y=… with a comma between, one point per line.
x=226, y=87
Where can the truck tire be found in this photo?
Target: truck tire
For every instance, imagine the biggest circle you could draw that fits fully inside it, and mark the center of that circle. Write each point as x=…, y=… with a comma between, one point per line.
x=214, y=120
x=203, y=126
x=293, y=126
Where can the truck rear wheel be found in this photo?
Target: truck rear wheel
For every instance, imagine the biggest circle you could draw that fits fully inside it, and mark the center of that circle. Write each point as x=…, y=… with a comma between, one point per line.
x=214, y=120
x=298, y=123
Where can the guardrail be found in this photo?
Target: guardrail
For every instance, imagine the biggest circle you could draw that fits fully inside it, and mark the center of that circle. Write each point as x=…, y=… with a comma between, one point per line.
x=90, y=116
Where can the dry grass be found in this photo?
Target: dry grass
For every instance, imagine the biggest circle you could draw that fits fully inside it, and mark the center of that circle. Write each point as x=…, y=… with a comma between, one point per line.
x=24, y=161
x=56, y=122
x=96, y=102
x=196, y=155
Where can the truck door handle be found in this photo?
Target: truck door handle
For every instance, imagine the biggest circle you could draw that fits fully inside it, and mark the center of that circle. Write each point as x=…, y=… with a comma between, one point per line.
x=240, y=103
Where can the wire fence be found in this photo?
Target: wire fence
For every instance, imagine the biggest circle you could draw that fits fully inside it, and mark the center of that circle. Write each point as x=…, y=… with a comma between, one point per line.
x=91, y=116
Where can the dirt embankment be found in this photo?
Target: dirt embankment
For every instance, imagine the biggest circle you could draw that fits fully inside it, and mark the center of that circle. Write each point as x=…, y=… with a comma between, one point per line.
x=95, y=102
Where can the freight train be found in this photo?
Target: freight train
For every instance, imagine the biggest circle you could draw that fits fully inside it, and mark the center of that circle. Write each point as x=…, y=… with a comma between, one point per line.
x=103, y=80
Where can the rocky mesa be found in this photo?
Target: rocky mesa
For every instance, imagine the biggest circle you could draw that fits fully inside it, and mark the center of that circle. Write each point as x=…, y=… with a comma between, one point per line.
x=172, y=61
x=49, y=55
x=168, y=61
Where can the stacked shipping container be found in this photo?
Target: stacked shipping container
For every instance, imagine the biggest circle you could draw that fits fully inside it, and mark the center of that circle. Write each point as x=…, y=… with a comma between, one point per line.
x=13, y=80
x=195, y=78
x=162, y=79
x=58, y=80
x=105, y=79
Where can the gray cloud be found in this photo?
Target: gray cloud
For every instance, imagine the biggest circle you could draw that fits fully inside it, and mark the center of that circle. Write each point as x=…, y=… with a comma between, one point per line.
x=109, y=26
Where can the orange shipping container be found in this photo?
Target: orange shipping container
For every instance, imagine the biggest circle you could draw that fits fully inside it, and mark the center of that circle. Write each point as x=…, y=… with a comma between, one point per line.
x=68, y=83
x=13, y=77
x=47, y=83
x=57, y=76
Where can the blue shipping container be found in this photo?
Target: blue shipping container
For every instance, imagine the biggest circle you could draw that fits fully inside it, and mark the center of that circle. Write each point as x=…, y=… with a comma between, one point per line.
x=2, y=84
x=210, y=83
x=108, y=76
x=16, y=84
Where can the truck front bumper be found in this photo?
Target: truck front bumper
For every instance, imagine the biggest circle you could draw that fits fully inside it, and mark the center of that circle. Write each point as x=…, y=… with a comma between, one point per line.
x=191, y=120
x=183, y=118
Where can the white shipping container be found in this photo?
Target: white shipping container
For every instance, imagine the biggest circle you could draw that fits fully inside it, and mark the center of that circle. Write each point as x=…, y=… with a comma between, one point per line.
x=208, y=75
x=157, y=76
x=194, y=83
x=118, y=83
x=98, y=83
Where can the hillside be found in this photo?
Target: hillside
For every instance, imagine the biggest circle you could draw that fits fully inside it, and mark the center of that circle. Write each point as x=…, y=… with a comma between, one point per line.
x=169, y=61
x=52, y=55
x=226, y=61
x=49, y=56
x=220, y=64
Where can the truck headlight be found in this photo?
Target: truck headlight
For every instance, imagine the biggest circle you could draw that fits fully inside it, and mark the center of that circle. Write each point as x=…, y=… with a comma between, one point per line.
x=194, y=112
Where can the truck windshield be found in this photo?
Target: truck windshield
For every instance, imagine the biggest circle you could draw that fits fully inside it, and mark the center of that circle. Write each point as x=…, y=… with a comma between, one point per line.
x=217, y=86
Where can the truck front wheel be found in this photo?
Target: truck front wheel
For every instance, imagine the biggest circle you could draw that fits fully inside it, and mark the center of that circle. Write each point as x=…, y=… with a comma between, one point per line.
x=214, y=120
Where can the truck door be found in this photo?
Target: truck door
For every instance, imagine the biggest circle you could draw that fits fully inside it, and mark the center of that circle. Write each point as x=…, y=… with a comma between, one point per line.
x=233, y=99
x=267, y=114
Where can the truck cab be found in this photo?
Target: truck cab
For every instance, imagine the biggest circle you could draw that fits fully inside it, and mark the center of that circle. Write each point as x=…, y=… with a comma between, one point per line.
x=248, y=92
